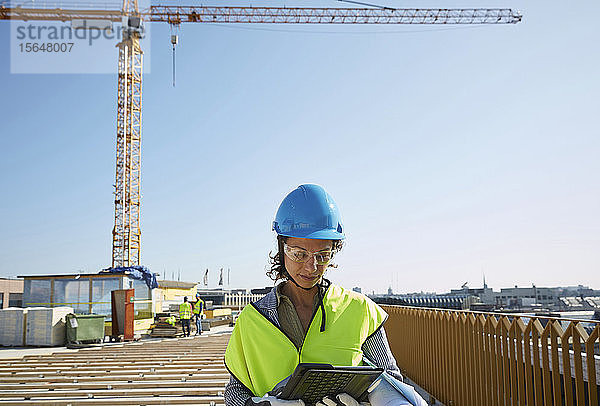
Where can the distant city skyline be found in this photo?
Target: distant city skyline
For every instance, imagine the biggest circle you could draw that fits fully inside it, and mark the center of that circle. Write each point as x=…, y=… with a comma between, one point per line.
x=452, y=152
x=493, y=288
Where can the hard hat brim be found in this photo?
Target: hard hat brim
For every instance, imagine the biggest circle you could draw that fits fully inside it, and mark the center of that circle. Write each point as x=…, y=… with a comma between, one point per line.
x=315, y=235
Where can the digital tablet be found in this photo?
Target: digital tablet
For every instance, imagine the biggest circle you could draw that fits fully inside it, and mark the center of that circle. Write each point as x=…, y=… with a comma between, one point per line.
x=312, y=382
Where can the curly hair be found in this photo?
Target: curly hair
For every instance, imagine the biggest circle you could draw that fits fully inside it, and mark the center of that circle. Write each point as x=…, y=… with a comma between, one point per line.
x=278, y=271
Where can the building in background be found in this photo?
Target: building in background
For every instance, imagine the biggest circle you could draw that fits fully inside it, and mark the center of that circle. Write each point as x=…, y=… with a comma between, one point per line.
x=578, y=290
x=429, y=300
x=172, y=293
x=11, y=293
x=527, y=299
x=485, y=294
x=85, y=293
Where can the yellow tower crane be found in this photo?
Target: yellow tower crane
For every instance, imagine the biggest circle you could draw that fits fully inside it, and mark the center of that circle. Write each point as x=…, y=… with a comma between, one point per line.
x=126, y=241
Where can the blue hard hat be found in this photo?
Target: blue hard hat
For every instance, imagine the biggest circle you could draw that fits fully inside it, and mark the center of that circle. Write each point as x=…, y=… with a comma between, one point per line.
x=309, y=212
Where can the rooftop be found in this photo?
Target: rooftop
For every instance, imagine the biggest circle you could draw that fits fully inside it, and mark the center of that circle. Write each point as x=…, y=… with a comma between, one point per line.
x=148, y=372
x=176, y=284
x=73, y=275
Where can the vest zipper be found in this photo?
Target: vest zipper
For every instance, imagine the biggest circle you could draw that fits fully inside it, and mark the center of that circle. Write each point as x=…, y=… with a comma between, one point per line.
x=307, y=330
x=322, y=307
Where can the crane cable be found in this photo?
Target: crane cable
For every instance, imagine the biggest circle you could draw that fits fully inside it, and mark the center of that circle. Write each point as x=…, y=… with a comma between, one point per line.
x=368, y=4
x=174, y=39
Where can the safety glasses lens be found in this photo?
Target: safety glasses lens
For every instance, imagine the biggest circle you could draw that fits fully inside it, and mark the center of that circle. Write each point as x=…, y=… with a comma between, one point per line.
x=301, y=255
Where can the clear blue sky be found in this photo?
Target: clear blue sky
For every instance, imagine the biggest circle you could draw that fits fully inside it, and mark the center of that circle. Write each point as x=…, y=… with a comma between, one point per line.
x=452, y=151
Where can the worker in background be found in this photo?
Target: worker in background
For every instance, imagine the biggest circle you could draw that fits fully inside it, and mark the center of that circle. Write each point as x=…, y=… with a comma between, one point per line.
x=198, y=313
x=185, y=314
x=320, y=321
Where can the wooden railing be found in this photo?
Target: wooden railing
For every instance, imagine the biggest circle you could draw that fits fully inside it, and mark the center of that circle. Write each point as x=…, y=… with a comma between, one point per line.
x=480, y=359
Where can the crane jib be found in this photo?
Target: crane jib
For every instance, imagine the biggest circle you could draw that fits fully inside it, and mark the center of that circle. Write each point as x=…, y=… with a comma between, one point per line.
x=306, y=15
x=275, y=15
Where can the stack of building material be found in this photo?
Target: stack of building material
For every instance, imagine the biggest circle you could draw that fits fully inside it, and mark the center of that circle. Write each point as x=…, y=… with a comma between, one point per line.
x=217, y=312
x=217, y=317
x=12, y=321
x=164, y=329
x=45, y=326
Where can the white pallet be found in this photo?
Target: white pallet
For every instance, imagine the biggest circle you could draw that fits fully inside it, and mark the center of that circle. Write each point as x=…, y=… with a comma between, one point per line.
x=46, y=326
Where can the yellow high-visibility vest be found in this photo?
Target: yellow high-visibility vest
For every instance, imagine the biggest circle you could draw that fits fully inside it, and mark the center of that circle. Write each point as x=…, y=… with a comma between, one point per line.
x=185, y=311
x=260, y=355
x=199, y=307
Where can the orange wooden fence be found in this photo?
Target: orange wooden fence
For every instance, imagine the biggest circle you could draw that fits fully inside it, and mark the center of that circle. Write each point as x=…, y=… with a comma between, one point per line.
x=480, y=359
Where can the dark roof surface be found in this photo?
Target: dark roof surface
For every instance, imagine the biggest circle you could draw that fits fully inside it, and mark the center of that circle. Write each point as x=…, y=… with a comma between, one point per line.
x=103, y=274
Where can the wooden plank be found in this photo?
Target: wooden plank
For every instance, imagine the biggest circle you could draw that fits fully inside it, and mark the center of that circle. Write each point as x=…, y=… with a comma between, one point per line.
x=61, y=394
x=140, y=356
x=162, y=400
x=136, y=356
x=101, y=373
x=112, y=361
x=520, y=361
x=112, y=366
x=114, y=384
x=113, y=377
x=591, y=367
x=164, y=348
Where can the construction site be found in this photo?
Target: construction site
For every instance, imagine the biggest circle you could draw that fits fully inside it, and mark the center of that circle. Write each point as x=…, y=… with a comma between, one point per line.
x=127, y=329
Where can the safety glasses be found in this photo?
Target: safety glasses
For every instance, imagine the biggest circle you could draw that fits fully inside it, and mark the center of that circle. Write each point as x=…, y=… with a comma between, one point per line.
x=301, y=255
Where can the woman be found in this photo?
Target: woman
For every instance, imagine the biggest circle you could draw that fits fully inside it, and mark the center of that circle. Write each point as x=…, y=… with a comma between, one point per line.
x=306, y=318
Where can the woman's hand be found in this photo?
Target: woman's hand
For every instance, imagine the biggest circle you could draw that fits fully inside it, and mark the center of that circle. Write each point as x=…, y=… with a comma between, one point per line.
x=343, y=399
x=273, y=401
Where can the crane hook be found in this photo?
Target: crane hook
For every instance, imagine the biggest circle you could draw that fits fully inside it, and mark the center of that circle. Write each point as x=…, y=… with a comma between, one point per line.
x=174, y=40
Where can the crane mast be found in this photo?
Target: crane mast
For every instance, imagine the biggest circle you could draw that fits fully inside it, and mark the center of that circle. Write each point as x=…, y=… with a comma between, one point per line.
x=126, y=233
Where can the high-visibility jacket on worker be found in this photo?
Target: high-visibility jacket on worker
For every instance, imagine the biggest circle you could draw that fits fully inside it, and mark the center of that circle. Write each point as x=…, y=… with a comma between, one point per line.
x=171, y=320
x=185, y=311
x=199, y=307
x=260, y=355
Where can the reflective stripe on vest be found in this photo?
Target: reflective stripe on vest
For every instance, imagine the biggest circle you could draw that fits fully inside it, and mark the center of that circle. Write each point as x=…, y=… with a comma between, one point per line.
x=260, y=355
x=185, y=311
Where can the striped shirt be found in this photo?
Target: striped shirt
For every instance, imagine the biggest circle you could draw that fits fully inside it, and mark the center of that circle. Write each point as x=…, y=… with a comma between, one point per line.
x=375, y=348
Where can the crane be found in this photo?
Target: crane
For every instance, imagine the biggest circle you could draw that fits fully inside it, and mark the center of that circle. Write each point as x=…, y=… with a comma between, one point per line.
x=126, y=234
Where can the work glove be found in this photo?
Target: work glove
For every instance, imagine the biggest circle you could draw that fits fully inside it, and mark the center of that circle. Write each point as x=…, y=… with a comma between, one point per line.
x=384, y=394
x=272, y=401
x=343, y=399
